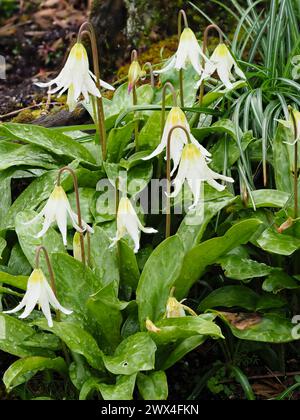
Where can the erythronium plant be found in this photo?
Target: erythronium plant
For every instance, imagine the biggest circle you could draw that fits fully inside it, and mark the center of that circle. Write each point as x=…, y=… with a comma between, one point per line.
x=129, y=223
x=39, y=292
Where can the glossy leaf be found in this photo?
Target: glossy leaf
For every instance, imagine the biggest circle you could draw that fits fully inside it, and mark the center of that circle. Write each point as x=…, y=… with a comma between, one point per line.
x=153, y=386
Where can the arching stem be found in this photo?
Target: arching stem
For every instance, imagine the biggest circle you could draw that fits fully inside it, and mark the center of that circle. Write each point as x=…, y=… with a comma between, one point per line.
x=88, y=30
x=134, y=57
x=152, y=78
x=296, y=134
x=78, y=208
x=181, y=17
x=168, y=204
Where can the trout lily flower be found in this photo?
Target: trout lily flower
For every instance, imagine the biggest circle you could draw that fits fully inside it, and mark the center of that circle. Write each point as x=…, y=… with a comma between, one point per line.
x=188, y=51
x=39, y=293
x=179, y=138
x=57, y=209
x=76, y=78
x=134, y=74
x=129, y=223
x=293, y=123
x=221, y=61
x=193, y=168
x=175, y=309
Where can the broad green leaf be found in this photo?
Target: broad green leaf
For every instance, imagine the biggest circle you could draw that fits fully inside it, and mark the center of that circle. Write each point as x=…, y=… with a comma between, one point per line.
x=13, y=336
x=193, y=227
x=241, y=297
x=279, y=280
x=271, y=328
x=122, y=390
x=207, y=253
x=19, y=282
x=50, y=139
x=129, y=270
x=75, y=284
x=153, y=386
x=24, y=369
x=2, y=246
x=104, y=261
x=5, y=192
x=29, y=242
x=18, y=262
x=157, y=279
x=277, y=243
x=134, y=159
x=269, y=198
x=136, y=353
x=27, y=155
x=149, y=137
x=243, y=268
x=86, y=196
x=221, y=126
x=77, y=340
x=175, y=354
x=118, y=140
x=7, y=291
x=106, y=309
x=281, y=156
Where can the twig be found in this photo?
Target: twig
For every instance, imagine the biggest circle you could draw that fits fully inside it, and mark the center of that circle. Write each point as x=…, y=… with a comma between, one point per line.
x=10, y=114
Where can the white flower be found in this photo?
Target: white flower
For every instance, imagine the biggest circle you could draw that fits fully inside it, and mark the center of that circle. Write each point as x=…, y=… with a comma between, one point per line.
x=39, y=292
x=134, y=74
x=222, y=62
x=76, y=78
x=128, y=222
x=179, y=138
x=290, y=124
x=188, y=51
x=57, y=209
x=175, y=309
x=195, y=170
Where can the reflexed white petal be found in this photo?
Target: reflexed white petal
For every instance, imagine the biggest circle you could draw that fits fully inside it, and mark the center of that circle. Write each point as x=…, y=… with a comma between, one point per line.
x=200, y=147
x=156, y=152
x=181, y=58
x=195, y=186
x=195, y=61
x=168, y=67
x=61, y=220
x=17, y=308
x=53, y=300
x=47, y=223
x=215, y=184
x=224, y=75
x=239, y=72
x=106, y=85
x=45, y=307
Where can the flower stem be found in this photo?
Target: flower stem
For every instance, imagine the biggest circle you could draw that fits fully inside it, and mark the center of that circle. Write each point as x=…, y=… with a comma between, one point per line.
x=204, y=49
x=181, y=17
x=295, y=165
x=168, y=204
x=134, y=57
x=167, y=85
x=152, y=79
x=76, y=190
x=88, y=29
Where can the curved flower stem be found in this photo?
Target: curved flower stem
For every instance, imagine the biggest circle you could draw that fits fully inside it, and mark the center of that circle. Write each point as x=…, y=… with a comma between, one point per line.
x=134, y=57
x=167, y=85
x=88, y=29
x=181, y=17
x=76, y=190
x=295, y=165
x=207, y=30
x=152, y=79
x=168, y=204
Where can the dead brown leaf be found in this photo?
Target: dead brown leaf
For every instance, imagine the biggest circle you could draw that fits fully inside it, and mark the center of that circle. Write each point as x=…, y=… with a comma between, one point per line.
x=242, y=320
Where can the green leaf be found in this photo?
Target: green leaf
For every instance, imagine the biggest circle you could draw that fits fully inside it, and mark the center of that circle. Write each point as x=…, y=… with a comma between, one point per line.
x=269, y=198
x=282, y=162
x=118, y=140
x=278, y=243
x=16, y=281
x=121, y=391
x=272, y=328
x=27, y=155
x=193, y=227
x=157, y=279
x=27, y=238
x=129, y=270
x=153, y=386
x=18, y=262
x=24, y=369
x=13, y=336
x=172, y=356
x=149, y=137
x=2, y=246
x=240, y=297
x=104, y=261
x=77, y=340
x=207, y=253
x=136, y=353
x=279, y=280
x=50, y=139
x=243, y=268
x=7, y=291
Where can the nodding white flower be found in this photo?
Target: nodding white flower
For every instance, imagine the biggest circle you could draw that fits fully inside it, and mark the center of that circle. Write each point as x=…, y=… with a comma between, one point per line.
x=57, y=209
x=39, y=293
x=188, y=51
x=151, y=326
x=76, y=78
x=128, y=222
x=194, y=169
x=290, y=124
x=175, y=309
x=134, y=74
x=222, y=61
x=179, y=138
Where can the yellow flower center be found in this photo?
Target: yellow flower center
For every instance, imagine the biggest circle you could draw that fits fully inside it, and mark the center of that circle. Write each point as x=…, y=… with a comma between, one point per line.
x=187, y=35
x=36, y=276
x=78, y=51
x=134, y=72
x=221, y=50
x=191, y=152
x=58, y=193
x=177, y=116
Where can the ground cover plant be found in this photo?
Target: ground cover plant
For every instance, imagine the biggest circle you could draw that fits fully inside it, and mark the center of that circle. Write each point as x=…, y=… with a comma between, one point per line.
x=167, y=229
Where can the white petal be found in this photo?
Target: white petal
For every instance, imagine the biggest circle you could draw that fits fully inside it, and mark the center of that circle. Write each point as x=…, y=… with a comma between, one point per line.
x=44, y=303
x=216, y=185
x=53, y=300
